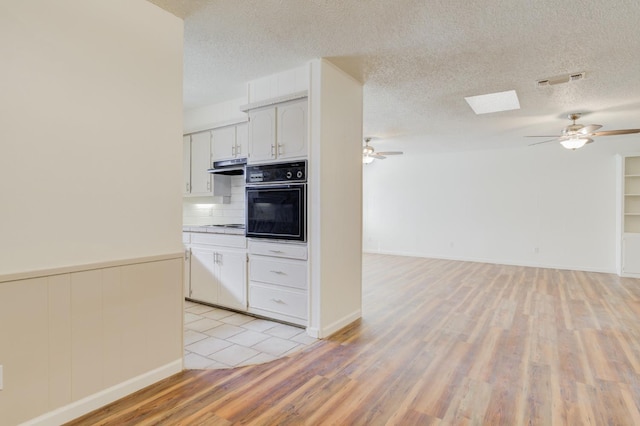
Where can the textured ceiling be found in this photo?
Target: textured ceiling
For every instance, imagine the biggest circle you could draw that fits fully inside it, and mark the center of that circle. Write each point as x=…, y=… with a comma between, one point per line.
x=418, y=60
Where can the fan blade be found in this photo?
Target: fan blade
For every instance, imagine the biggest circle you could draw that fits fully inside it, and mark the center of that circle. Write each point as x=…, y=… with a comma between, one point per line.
x=390, y=153
x=378, y=156
x=547, y=141
x=589, y=128
x=545, y=136
x=615, y=132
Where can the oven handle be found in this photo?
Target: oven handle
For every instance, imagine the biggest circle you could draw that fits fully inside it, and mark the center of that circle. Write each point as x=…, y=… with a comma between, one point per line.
x=283, y=184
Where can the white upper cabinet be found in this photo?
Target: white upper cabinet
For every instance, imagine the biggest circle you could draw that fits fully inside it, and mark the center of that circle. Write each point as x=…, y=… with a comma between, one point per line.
x=200, y=162
x=278, y=132
x=224, y=143
x=196, y=159
x=242, y=140
x=262, y=135
x=292, y=129
x=229, y=142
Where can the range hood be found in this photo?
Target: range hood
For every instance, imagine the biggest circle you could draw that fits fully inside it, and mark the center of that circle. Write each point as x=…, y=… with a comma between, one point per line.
x=232, y=167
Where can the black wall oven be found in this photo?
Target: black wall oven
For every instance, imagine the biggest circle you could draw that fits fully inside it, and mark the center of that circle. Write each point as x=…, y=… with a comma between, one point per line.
x=276, y=197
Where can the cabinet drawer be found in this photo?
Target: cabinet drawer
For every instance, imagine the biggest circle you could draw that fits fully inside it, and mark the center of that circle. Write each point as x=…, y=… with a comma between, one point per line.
x=292, y=251
x=278, y=300
x=290, y=273
x=226, y=240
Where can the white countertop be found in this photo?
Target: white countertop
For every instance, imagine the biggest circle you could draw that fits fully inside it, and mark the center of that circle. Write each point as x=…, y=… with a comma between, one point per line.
x=213, y=229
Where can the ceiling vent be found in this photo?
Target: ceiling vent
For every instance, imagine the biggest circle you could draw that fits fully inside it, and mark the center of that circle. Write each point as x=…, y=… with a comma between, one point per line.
x=561, y=79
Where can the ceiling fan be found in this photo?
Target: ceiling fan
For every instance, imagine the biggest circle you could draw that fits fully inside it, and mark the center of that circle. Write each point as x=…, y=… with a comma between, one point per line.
x=369, y=154
x=575, y=136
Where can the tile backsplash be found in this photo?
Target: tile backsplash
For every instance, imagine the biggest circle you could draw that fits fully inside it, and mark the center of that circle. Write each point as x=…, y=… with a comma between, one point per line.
x=210, y=210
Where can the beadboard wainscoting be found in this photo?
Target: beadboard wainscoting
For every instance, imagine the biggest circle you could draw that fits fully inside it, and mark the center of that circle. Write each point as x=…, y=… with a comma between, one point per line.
x=209, y=210
x=74, y=339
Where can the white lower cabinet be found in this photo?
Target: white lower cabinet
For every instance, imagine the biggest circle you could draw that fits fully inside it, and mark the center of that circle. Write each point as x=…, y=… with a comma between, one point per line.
x=286, y=304
x=631, y=255
x=186, y=278
x=218, y=270
x=216, y=273
x=204, y=286
x=284, y=272
x=278, y=282
x=629, y=217
x=232, y=279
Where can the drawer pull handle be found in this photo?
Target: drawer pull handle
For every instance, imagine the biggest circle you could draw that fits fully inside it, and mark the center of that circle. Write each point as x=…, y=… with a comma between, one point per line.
x=277, y=300
x=278, y=272
x=276, y=251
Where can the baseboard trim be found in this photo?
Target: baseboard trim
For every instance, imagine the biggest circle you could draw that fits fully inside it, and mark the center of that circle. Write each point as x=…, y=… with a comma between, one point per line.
x=100, y=399
x=494, y=261
x=313, y=332
x=337, y=325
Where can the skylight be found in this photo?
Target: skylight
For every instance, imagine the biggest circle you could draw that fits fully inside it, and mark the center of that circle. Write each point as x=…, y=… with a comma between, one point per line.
x=494, y=102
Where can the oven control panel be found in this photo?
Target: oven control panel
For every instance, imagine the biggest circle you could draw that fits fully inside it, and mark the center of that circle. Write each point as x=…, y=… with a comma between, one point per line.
x=277, y=172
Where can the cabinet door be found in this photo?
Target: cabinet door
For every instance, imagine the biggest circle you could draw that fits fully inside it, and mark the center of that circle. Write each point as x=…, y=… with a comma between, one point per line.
x=631, y=254
x=262, y=135
x=186, y=164
x=186, y=278
x=242, y=140
x=232, y=279
x=223, y=141
x=292, y=129
x=200, y=162
x=203, y=275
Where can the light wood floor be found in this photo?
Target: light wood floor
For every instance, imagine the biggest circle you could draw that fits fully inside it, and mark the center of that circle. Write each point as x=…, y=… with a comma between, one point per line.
x=440, y=342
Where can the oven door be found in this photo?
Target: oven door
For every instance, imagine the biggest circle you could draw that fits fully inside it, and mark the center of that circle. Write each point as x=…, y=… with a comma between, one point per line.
x=276, y=212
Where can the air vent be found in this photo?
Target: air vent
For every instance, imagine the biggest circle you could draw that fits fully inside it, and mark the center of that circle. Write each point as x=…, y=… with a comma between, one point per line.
x=560, y=79
x=576, y=76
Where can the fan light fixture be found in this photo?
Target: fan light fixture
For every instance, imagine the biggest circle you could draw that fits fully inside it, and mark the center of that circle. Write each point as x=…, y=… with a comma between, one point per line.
x=574, y=143
x=367, y=153
x=577, y=135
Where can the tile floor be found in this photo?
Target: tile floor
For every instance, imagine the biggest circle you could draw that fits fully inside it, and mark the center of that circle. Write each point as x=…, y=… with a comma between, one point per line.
x=215, y=338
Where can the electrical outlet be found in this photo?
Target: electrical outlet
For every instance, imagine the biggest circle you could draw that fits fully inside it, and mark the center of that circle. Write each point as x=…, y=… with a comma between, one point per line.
x=536, y=250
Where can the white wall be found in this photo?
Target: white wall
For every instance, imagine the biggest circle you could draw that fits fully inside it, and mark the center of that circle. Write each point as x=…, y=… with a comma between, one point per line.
x=335, y=199
x=90, y=173
x=90, y=161
x=74, y=341
x=498, y=206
